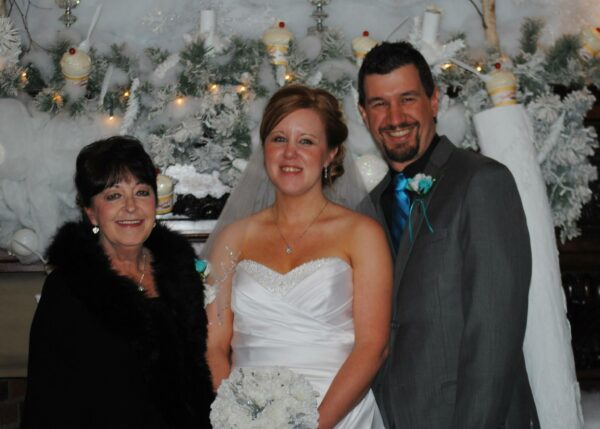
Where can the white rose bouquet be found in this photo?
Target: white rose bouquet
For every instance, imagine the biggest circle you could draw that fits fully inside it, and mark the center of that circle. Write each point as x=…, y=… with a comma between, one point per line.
x=258, y=398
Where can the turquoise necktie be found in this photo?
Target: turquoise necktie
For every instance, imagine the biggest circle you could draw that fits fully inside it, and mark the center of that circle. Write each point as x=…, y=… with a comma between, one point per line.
x=401, y=209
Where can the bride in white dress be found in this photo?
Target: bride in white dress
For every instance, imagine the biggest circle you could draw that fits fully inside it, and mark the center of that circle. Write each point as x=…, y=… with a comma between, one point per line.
x=304, y=283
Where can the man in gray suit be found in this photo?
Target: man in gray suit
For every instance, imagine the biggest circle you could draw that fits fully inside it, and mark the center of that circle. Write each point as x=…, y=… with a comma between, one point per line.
x=462, y=263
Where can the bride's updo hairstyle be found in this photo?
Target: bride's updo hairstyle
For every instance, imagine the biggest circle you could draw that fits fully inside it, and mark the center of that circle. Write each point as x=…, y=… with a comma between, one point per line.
x=295, y=97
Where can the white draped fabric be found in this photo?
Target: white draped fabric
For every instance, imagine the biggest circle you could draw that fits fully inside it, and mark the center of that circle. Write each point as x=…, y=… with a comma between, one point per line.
x=506, y=135
x=37, y=164
x=301, y=320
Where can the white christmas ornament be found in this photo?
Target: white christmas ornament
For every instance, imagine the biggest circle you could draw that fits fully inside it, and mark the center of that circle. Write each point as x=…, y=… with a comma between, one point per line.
x=24, y=242
x=277, y=41
x=240, y=164
x=76, y=65
x=133, y=107
x=500, y=84
x=164, y=188
x=372, y=169
x=361, y=46
x=310, y=46
x=452, y=123
x=502, y=87
x=162, y=69
x=315, y=79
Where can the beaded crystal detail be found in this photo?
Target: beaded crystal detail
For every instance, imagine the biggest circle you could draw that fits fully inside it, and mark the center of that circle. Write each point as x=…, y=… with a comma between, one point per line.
x=213, y=282
x=277, y=283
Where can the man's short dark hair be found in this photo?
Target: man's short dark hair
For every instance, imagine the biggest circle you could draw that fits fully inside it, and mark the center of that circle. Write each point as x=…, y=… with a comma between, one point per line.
x=387, y=57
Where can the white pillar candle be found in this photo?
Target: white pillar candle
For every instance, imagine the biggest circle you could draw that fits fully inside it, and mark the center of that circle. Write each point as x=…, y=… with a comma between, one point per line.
x=208, y=21
x=431, y=23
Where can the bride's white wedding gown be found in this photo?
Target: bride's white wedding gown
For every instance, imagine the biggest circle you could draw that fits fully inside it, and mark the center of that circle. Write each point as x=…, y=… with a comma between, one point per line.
x=301, y=320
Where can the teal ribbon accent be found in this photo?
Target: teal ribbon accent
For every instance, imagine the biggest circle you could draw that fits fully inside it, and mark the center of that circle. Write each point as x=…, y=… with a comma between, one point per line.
x=424, y=210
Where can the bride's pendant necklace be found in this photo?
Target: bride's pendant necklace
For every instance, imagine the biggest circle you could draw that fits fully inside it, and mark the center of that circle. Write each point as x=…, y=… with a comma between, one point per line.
x=288, y=247
x=140, y=286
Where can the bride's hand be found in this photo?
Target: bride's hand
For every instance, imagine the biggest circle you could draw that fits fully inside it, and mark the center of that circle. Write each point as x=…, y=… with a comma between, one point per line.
x=325, y=425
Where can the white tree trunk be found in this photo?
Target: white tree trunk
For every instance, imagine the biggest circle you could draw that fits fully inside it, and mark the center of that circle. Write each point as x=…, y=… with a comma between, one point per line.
x=489, y=19
x=506, y=135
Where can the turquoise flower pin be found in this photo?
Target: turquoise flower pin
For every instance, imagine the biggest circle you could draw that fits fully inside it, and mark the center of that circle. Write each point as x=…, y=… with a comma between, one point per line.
x=202, y=268
x=420, y=184
x=210, y=291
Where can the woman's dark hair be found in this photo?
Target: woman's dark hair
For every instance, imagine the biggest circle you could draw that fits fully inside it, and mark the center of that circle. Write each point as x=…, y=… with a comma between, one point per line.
x=106, y=162
x=387, y=57
x=295, y=97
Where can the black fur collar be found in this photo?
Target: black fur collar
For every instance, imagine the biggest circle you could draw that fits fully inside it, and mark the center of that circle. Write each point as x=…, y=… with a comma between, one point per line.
x=76, y=253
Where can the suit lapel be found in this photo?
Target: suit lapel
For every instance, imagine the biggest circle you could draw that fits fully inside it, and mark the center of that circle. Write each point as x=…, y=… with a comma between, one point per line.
x=435, y=168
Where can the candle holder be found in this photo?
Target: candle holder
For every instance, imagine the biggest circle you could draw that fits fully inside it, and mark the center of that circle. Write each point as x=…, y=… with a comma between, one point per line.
x=319, y=16
x=67, y=18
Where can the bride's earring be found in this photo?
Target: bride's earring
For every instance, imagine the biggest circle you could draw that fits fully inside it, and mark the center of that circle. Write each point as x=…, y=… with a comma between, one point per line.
x=95, y=229
x=326, y=172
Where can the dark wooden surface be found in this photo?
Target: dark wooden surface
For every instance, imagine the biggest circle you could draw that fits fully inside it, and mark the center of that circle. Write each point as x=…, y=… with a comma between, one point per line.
x=10, y=264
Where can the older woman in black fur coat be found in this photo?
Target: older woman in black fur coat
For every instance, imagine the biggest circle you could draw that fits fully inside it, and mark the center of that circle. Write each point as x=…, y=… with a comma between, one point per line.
x=118, y=338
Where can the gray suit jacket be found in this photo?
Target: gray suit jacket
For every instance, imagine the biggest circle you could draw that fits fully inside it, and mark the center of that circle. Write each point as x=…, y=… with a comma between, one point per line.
x=460, y=302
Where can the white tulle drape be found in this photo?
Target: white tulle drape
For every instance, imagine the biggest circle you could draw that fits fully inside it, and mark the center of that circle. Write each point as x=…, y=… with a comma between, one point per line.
x=37, y=165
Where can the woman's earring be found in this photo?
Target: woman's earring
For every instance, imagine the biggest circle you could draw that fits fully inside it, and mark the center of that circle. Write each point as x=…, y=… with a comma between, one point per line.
x=326, y=172
x=95, y=229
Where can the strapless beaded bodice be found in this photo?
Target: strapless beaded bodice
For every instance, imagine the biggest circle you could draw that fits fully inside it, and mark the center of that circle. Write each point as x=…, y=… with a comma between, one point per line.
x=281, y=283
x=308, y=310
x=300, y=320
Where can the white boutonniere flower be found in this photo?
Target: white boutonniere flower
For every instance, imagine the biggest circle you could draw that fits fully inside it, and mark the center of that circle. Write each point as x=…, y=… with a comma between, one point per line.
x=420, y=184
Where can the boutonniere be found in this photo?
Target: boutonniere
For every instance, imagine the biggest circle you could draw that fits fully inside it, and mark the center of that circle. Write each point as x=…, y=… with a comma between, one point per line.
x=420, y=184
x=203, y=270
